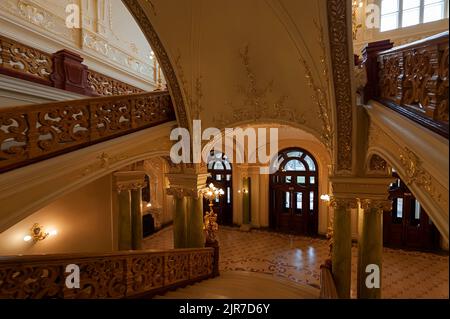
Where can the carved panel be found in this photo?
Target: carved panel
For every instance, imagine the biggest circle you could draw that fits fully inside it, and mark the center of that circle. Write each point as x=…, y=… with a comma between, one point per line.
x=415, y=78
x=105, y=85
x=201, y=264
x=31, y=282
x=100, y=278
x=22, y=59
x=176, y=269
x=391, y=76
x=147, y=272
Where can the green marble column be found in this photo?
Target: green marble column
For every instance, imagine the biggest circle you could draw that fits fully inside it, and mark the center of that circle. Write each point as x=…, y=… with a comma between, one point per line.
x=246, y=200
x=136, y=218
x=370, y=248
x=124, y=205
x=180, y=223
x=342, y=245
x=195, y=236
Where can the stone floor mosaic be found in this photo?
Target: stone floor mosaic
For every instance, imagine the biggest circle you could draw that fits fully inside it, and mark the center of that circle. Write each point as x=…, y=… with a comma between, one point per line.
x=406, y=274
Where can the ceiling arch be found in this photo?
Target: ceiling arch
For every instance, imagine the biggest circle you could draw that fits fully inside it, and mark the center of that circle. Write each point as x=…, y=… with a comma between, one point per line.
x=233, y=61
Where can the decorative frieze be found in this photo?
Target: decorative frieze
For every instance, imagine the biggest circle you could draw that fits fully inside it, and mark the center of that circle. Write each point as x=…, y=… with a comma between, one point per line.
x=338, y=19
x=346, y=203
x=186, y=184
x=125, y=181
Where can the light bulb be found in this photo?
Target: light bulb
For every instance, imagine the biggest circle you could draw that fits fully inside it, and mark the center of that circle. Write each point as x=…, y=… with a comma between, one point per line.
x=53, y=232
x=325, y=197
x=149, y=205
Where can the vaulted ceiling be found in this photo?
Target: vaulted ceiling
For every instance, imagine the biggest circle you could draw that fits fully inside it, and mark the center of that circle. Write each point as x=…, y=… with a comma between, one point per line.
x=248, y=61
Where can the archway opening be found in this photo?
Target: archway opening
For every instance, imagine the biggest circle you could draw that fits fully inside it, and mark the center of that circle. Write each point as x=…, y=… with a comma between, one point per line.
x=220, y=171
x=407, y=225
x=294, y=193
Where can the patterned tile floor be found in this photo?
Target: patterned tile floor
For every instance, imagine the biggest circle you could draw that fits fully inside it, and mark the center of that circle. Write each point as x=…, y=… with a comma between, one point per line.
x=406, y=274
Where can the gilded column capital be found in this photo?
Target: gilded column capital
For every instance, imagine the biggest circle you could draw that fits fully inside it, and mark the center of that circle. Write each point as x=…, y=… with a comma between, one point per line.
x=179, y=192
x=380, y=205
x=131, y=180
x=347, y=203
x=186, y=184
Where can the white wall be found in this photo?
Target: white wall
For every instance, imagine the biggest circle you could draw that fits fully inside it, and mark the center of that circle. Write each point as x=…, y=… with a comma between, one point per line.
x=82, y=218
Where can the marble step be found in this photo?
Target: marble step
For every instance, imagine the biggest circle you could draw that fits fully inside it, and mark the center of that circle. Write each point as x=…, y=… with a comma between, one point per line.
x=242, y=285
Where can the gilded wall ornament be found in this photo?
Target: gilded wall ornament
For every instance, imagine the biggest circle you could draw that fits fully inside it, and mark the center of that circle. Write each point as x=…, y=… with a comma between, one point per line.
x=346, y=203
x=416, y=174
x=340, y=57
x=193, y=100
x=379, y=205
x=320, y=98
x=104, y=161
x=256, y=103
x=377, y=164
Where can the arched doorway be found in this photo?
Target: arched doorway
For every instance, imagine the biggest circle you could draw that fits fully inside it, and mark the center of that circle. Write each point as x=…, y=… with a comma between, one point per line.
x=407, y=225
x=221, y=176
x=294, y=193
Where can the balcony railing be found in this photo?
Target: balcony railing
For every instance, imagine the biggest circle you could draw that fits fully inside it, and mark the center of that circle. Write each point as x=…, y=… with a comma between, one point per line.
x=63, y=70
x=36, y=132
x=411, y=79
x=113, y=275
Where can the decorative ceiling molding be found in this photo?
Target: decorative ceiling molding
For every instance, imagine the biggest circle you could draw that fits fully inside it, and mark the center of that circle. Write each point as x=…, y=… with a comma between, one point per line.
x=163, y=58
x=340, y=57
x=193, y=100
x=256, y=102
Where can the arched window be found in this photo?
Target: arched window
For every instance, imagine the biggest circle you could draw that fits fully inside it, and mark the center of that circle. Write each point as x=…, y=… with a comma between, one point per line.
x=294, y=192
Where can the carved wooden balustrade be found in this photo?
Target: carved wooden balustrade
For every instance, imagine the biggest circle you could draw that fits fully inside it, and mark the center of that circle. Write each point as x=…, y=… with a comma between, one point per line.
x=63, y=70
x=35, y=132
x=412, y=79
x=128, y=274
x=105, y=85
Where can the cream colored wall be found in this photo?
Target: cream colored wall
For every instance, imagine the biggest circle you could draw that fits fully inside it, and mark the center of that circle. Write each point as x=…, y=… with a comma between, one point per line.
x=82, y=218
x=399, y=36
x=109, y=39
x=16, y=92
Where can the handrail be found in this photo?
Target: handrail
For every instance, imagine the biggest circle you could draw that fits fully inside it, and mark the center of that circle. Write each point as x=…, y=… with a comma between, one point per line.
x=127, y=274
x=411, y=79
x=327, y=285
x=59, y=70
x=35, y=132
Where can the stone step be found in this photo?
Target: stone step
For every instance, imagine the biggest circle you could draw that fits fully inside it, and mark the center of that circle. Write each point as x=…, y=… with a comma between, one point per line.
x=244, y=285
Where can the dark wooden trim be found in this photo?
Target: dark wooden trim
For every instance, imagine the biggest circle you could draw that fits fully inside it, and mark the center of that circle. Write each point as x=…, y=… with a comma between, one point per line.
x=441, y=129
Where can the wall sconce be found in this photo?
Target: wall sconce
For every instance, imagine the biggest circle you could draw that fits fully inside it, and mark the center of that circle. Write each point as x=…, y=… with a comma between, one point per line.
x=325, y=197
x=37, y=233
x=245, y=191
x=149, y=205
